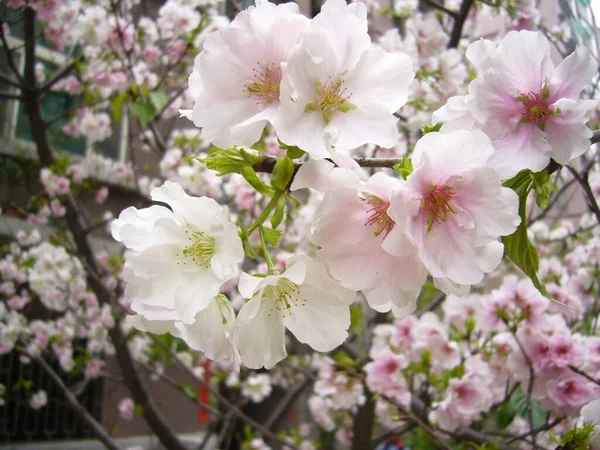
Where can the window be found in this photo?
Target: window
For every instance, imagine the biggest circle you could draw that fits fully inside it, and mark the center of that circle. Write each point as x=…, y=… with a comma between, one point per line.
x=15, y=132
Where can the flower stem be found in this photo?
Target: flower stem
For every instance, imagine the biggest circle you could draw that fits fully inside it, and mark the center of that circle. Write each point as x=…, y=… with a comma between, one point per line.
x=263, y=215
x=265, y=250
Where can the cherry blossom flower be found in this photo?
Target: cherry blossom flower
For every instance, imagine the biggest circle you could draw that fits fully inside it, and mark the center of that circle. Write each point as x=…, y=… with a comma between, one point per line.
x=360, y=249
x=338, y=90
x=528, y=107
x=178, y=258
x=236, y=78
x=303, y=299
x=453, y=208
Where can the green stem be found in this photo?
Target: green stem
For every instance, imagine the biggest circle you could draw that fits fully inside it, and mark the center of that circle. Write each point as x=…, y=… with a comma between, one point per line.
x=263, y=215
x=265, y=250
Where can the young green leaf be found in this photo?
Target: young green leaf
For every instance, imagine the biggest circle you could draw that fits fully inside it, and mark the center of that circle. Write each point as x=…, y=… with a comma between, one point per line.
x=404, y=168
x=251, y=177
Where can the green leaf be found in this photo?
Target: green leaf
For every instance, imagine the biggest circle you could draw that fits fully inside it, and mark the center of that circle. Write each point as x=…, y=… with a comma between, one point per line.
x=432, y=128
x=272, y=236
x=143, y=112
x=138, y=410
x=117, y=105
x=543, y=188
x=520, y=183
x=517, y=246
x=292, y=151
x=404, y=168
x=578, y=438
x=279, y=212
x=231, y=160
x=505, y=415
x=344, y=359
x=282, y=173
x=159, y=100
x=251, y=177
x=518, y=404
x=187, y=390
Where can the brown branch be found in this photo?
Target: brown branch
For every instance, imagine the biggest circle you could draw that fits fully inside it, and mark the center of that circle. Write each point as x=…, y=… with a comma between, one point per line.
x=40, y=135
x=264, y=431
x=584, y=375
x=58, y=75
x=587, y=189
x=442, y=8
x=96, y=428
x=459, y=23
x=595, y=137
x=285, y=403
x=398, y=431
x=363, y=423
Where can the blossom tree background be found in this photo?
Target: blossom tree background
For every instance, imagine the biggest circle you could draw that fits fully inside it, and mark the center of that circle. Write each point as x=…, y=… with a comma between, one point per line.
x=388, y=212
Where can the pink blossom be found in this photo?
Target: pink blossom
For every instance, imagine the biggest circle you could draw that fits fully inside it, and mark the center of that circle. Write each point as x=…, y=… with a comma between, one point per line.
x=384, y=375
x=453, y=208
x=126, y=408
x=101, y=195
x=529, y=108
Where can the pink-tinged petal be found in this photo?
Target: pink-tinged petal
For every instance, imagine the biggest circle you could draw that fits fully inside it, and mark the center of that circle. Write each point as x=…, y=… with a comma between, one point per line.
x=524, y=60
x=479, y=53
x=567, y=133
x=493, y=102
x=365, y=125
x=380, y=78
x=447, y=250
x=572, y=75
x=313, y=174
x=450, y=287
x=317, y=275
x=439, y=164
x=345, y=32
x=455, y=114
x=396, y=243
x=398, y=287
x=494, y=209
x=526, y=148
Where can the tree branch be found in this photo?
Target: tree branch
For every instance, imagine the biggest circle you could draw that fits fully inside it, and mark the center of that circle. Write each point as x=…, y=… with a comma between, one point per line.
x=442, y=8
x=459, y=23
x=74, y=404
x=587, y=189
x=59, y=75
x=74, y=220
x=287, y=401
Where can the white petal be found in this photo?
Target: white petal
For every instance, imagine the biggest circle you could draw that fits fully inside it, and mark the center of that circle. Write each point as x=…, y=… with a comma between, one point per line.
x=313, y=174
x=259, y=335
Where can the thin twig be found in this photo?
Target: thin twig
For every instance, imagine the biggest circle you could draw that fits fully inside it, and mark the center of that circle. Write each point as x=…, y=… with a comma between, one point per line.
x=587, y=189
x=459, y=23
x=442, y=8
x=74, y=404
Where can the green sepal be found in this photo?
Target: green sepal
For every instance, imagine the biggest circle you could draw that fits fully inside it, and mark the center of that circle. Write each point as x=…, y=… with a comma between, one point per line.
x=282, y=173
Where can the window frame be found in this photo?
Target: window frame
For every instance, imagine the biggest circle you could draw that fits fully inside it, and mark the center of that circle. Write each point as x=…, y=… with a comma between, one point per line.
x=10, y=144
